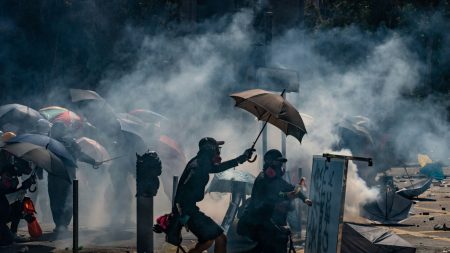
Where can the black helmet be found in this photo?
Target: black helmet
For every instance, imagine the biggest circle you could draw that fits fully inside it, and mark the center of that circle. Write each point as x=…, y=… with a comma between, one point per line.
x=274, y=155
x=209, y=143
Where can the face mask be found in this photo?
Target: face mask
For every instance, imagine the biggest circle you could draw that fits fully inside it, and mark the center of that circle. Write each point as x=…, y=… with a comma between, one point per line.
x=217, y=159
x=270, y=172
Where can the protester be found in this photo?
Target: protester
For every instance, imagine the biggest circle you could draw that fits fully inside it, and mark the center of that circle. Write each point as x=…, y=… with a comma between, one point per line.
x=9, y=182
x=265, y=217
x=60, y=190
x=191, y=189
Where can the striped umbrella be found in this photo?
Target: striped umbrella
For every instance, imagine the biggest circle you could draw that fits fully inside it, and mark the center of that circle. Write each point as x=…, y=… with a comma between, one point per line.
x=61, y=114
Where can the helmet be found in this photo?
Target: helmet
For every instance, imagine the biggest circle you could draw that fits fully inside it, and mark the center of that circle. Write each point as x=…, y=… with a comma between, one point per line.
x=274, y=155
x=8, y=136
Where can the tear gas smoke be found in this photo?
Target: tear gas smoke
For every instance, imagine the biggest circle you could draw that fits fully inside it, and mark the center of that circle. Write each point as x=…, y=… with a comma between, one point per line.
x=343, y=72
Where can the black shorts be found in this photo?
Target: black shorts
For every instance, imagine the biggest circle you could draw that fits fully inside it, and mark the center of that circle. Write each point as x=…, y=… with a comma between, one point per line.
x=203, y=227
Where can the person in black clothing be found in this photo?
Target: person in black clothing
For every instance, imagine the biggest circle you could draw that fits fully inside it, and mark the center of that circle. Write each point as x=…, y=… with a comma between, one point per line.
x=265, y=217
x=9, y=181
x=191, y=189
x=60, y=190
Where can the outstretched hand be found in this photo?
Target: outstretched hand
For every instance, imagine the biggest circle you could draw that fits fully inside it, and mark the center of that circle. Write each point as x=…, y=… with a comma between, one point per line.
x=247, y=155
x=308, y=202
x=96, y=165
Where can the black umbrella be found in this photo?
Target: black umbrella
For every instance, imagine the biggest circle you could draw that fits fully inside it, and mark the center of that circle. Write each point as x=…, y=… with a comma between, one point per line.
x=40, y=156
x=389, y=208
x=370, y=239
x=416, y=188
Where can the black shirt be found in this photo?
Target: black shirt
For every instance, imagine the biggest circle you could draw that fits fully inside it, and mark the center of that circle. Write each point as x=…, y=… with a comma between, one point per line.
x=194, y=179
x=266, y=203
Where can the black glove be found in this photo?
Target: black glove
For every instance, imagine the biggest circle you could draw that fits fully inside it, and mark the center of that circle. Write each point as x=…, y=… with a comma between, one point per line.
x=246, y=155
x=157, y=229
x=28, y=183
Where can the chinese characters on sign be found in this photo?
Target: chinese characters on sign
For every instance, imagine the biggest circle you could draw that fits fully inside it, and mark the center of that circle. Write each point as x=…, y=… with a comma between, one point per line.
x=325, y=215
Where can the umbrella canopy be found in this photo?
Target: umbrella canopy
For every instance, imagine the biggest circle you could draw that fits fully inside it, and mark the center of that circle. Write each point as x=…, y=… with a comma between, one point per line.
x=433, y=170
x=370, y=239
x=358, y=125
x=272, y=108
x=223, y=182
x=40, y=156
x=78, y=95
x=416, y=188
x=148, y=116
x=169, y=145
x=94, y=149
x=131, y=124
x=19, y=115
x=61, y=114
x=49, y=143
x=389, y=208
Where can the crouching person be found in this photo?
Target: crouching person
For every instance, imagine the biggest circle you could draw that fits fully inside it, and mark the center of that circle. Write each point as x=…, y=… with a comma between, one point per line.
x=265, y=217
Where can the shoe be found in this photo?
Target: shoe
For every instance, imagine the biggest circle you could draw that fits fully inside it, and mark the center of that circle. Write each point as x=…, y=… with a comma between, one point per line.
x=60, y=229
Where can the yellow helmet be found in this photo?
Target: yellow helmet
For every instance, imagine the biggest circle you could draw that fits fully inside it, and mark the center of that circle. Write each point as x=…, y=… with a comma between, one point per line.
x=8, y=136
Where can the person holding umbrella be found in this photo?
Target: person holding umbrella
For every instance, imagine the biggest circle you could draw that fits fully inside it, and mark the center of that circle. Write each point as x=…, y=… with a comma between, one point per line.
x=191, y=189
x=265, y=217
x=60, y=190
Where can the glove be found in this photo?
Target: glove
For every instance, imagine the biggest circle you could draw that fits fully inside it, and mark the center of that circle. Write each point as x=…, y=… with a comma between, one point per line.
x=157, y=229
x=246, y=155
x=28, y=183
x=96, y=165
x=308, y=202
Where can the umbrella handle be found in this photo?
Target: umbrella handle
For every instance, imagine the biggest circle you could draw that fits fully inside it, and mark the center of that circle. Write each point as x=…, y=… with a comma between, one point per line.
x=252, y=160
x=34, y=190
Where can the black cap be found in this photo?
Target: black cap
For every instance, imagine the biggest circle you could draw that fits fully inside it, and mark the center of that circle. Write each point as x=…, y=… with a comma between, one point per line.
x=209, y=141
x=274, y=155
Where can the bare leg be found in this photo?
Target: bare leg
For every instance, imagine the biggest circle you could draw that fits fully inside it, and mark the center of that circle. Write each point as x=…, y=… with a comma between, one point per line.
x=200, y=247
x=221, y=244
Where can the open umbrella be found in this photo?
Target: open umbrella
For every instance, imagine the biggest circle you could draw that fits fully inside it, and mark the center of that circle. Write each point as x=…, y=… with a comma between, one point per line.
x=48, y=143
x=61, y=114
x=40, y=156
x=271, y=108
x=223, y=182
x=371, y=239
x=94, y=149
x=358, y=125
x=433, y=170
x=131, y=124
x=78, y=95
x=389, y=208
x=416, y=188
x=148, y=116
x=238, y=183
x=19, y=115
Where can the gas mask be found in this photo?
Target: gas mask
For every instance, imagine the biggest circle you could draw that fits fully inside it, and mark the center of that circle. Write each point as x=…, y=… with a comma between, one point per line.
x=274, y=169
x=213, y=151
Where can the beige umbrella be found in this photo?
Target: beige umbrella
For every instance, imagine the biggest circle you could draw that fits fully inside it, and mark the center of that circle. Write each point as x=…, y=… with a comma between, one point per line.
x=40, y=156
x=272, y=108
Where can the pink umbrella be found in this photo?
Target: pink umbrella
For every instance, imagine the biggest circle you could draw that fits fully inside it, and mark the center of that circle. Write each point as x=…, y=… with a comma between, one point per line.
x=94, y=149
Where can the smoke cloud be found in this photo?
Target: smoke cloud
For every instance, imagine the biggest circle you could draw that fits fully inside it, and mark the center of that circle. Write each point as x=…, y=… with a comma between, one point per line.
x=343, y=72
